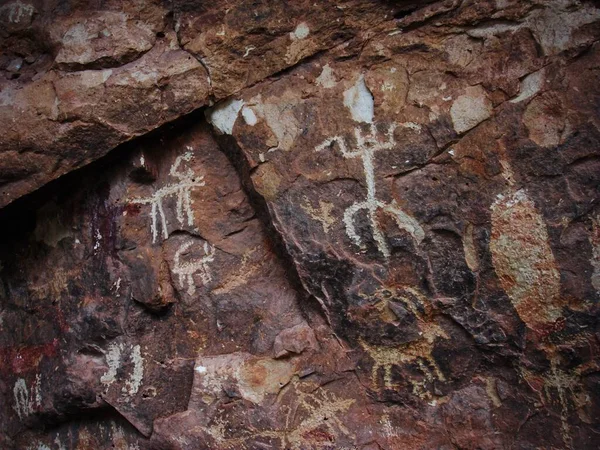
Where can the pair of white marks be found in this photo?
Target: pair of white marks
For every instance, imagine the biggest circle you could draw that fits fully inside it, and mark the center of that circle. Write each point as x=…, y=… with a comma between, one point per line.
x=114, y=360
x=27, y=399
x=186, y=181
x=186, y=269
x=17, y=11
x=366, y=146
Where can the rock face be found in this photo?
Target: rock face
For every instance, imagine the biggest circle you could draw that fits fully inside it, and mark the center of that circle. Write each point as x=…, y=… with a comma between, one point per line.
x=351, y=225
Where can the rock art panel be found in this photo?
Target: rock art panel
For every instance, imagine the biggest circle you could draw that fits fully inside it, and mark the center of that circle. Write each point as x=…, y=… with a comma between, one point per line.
x=421, y=196
x=355, y=225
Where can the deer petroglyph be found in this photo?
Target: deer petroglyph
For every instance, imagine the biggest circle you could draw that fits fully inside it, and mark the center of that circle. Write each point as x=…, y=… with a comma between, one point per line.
x=187, y=180
x=418, y=353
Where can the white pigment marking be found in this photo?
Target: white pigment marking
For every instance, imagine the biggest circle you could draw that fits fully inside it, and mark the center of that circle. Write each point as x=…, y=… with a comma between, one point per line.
x=412, y=126
x=27, y=399
x=200, y=369
x=117, y=286
x=98, y=239
x=18, y=10
x=39, y=446
x=224, y=115
x=387, y=86
x=21, y=395
x=59, y=444
x=38, y=389
x=359, y=100
x=135, y=381
x=113, y=360
x=186, y=270
x=367, y=145
x=182, y=189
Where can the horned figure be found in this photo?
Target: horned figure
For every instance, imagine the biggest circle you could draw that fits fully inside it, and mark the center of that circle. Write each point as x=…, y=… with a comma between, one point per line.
x=182, y=189
x=418, y=352
x=186, y=270
x=366, y=147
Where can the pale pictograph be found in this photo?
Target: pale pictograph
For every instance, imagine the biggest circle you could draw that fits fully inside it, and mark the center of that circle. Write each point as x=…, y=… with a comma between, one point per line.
x=186, y=181
x=366, y=147
x=418, y=353
x=114, y=360
x=187, y=269
x=27, y=399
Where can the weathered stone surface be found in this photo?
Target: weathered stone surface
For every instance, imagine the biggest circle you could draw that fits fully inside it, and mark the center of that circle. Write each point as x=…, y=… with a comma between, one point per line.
x=381, y=231
x=168, y=58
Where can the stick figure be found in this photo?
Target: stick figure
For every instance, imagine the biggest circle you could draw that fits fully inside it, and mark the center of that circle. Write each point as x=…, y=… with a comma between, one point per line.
x=367, y=145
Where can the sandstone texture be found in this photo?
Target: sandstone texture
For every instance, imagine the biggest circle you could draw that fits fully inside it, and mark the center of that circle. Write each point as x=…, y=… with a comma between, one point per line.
x=361, y=224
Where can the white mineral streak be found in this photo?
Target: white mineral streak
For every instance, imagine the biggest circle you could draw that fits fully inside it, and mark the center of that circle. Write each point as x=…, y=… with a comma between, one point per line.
x=359, y=100
x=223, y=115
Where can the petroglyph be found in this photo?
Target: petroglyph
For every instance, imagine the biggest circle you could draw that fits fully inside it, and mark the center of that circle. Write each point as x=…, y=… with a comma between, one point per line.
x=561, y=388
x=17, y=11
x=316, y=408
x=187, y=180
x=523, y=259
x=114, y=359
x=27, y=399
x=187, y=269
x=322, y=214
x=418, y=352
x=309, y=408
x=366, y=147
x=132, y=385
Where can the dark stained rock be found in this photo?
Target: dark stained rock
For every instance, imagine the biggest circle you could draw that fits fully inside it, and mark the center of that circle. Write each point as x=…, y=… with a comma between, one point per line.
x=351, y=225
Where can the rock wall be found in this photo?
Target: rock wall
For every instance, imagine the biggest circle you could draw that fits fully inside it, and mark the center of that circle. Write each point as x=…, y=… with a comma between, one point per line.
x=297, y=225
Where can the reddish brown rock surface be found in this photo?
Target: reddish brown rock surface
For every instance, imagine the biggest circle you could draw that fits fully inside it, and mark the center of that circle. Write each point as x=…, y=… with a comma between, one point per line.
x=340, y=225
